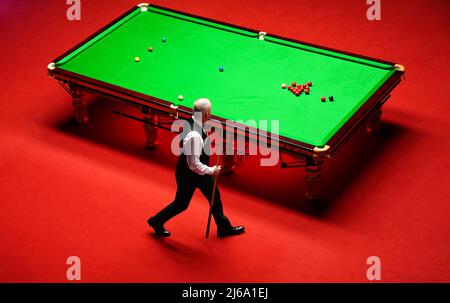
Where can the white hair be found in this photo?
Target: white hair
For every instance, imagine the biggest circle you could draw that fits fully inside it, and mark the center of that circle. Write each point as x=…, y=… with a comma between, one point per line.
x=202, y=105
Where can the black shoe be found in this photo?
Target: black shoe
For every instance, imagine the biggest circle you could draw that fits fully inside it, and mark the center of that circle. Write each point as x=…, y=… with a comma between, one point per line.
x=159, y=228
x=230, y=231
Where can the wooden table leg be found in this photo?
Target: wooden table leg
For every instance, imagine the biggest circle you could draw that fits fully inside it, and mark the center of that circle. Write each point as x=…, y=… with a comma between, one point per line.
x=80, y=106
x=151, y=130
x=374, y=123
x=313, y=184
x=228, y=164
x=229, y=154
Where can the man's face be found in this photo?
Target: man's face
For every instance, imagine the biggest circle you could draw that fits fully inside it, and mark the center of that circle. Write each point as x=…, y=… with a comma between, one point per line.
x=206, y=115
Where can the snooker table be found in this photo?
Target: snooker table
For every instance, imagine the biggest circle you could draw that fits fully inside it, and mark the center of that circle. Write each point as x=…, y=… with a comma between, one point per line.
x=186, y=56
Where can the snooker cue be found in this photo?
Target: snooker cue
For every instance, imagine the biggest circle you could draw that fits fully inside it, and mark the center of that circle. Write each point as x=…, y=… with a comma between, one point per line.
x=212, y=199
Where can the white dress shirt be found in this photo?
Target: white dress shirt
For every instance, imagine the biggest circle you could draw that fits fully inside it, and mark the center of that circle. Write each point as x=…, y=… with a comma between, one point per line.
x=192, y=148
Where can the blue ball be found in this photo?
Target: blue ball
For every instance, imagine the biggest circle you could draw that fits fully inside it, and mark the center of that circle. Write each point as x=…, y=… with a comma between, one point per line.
x=221, y=68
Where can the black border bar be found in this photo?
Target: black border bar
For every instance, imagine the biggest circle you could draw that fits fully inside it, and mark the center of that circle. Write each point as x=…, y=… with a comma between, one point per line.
x=276, y=292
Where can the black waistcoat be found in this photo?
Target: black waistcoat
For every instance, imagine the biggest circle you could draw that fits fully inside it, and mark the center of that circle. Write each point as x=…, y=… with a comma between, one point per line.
x=182, y=166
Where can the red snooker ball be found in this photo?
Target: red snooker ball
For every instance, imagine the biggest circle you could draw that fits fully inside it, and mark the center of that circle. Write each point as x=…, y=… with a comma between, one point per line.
x=294, y=84
x=323, y=99
x=309, y=83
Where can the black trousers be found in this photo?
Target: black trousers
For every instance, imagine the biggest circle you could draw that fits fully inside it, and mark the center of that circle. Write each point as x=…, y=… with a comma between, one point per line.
x=187, y=183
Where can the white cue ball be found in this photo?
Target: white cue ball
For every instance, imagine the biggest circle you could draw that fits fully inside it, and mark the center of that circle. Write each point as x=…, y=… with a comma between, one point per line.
x=283, y=86
x=180, y=97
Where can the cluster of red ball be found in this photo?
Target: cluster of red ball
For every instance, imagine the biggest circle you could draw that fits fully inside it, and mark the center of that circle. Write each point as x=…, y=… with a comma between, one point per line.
x=297, y=89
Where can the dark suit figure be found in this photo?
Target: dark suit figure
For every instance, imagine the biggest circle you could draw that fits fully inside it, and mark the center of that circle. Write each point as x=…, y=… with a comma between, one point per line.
x=192, y=172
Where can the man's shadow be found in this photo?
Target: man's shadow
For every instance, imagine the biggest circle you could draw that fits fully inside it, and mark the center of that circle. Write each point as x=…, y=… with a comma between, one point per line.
x=287, y=186
x=175, y=246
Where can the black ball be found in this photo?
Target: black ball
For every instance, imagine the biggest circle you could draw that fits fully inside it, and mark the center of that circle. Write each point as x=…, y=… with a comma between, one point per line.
x=331, y=98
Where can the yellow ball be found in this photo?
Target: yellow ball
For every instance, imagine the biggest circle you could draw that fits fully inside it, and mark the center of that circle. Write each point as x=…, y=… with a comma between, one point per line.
x=137, y=59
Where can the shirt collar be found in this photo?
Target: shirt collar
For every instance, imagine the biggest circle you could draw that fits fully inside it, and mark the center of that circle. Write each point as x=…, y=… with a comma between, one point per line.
x=198, y=122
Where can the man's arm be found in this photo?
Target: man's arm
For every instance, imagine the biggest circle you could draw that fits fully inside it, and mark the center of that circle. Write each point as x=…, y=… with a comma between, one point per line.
x=192, y=147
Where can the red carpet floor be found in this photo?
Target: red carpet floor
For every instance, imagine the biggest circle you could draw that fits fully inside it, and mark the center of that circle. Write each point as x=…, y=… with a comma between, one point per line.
x=86, y=191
